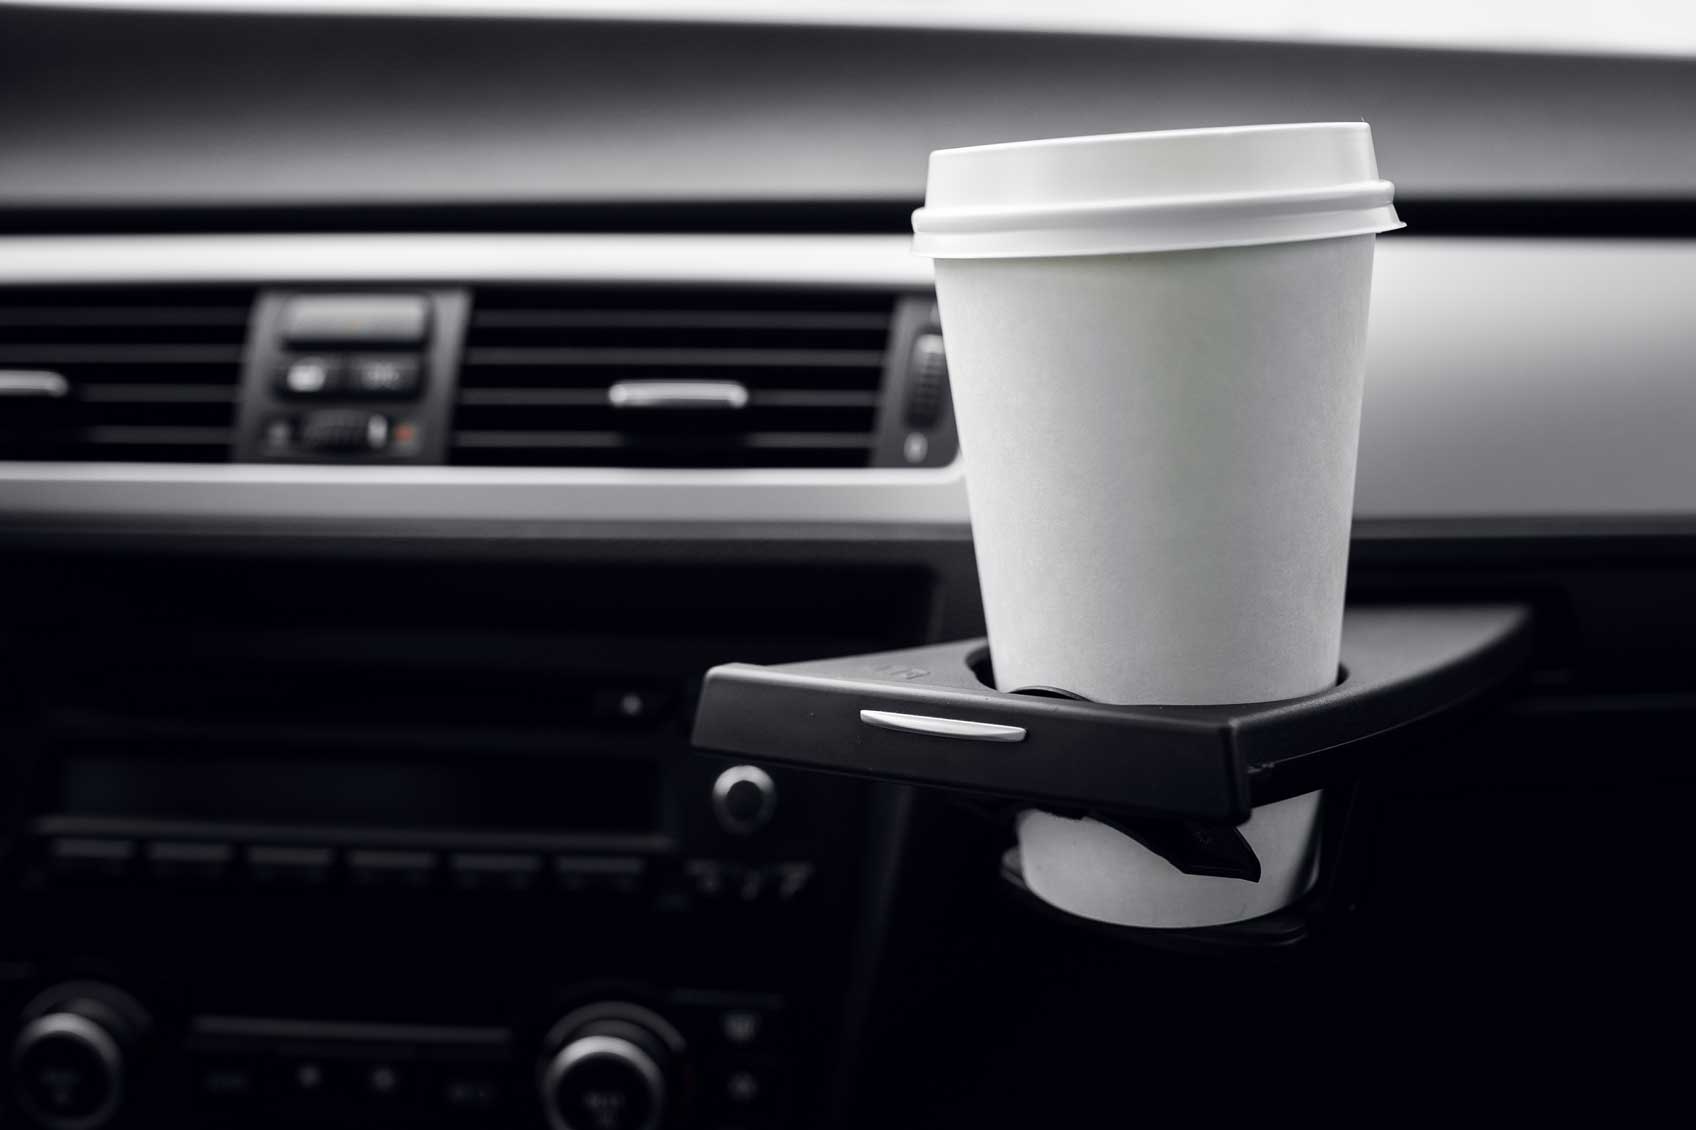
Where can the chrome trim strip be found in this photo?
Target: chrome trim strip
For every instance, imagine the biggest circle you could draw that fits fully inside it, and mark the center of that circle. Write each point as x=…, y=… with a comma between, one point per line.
x=1541, y=386
x=377, y=497
x=880, y=261
x=956, y=728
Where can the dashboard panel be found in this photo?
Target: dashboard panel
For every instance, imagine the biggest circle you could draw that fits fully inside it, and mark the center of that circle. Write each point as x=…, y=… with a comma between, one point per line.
x=1502, y=375
x=352, y=790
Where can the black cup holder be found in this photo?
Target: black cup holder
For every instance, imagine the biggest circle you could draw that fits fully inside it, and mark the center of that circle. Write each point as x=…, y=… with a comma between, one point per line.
x=932, y=716
x=983, y=666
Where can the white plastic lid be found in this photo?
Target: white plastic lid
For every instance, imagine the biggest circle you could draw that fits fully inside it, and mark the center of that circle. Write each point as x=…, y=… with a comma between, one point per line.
x=1168, y=191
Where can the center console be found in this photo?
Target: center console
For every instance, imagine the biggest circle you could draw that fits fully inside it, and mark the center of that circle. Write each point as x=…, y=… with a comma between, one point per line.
x=399, y=845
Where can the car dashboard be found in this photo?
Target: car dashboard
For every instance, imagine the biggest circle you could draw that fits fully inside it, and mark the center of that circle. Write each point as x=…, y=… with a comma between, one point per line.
x=400, y=412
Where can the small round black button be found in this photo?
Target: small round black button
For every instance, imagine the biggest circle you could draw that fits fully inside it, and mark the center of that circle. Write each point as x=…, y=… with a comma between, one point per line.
x=744, y=799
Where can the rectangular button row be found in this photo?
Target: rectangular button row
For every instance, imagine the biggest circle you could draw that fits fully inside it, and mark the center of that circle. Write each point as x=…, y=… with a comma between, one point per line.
x=191, y=862
x=349, y=1088
x=719, y=880
x=328, y=376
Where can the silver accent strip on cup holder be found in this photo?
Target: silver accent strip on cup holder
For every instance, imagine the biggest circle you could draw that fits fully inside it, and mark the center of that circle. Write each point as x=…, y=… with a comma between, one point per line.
x=928, y=726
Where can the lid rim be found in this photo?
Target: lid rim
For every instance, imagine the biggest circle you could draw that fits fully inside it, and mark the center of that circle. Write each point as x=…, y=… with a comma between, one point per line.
x=1361, y=195
x=1159, y=190
x=1154, y=134
x=1094, y=241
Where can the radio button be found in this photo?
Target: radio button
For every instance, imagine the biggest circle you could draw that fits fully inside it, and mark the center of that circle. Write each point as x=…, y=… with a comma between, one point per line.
x=743, y=1027
x=747, y=1092
x=707, y=877
x=490, y=871
x=793, y=879
x=88, y=859
x=290, y=866
x=470, y=1092
x=225, y=1082
x=613, y=875
x=394, y=870
x=384, y=1084
x=174, y=861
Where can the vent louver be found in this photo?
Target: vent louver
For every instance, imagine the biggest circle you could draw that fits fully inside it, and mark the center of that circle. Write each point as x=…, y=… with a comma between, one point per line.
x=121, y=375
x=645, y=377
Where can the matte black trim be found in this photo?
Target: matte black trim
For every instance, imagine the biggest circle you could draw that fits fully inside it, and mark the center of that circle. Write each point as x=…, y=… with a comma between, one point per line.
x=1553, y=217
x=778, y=217
x=1648, y=218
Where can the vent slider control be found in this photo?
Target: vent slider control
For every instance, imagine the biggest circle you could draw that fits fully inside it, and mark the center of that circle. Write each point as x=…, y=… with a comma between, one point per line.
x=678, y=394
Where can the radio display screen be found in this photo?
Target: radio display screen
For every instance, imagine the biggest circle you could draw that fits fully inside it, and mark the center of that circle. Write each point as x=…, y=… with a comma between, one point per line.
x=580, y=793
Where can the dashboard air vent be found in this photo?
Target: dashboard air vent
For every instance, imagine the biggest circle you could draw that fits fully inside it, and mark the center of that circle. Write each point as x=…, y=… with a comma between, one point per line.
x=120, y=375
x=647, y=377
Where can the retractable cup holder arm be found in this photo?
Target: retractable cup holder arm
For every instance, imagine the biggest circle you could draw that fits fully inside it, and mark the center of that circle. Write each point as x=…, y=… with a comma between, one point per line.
x=1179, y=779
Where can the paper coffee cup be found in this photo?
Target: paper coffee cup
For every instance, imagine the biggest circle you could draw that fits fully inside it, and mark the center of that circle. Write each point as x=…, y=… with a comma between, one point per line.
x=1156, y=347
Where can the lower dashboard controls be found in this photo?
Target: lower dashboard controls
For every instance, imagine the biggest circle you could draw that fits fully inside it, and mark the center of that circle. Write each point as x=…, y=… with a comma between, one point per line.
x=386, y=376
x=744, y=799
x=609, y=1067
x=72, y=1056
x=318, y=365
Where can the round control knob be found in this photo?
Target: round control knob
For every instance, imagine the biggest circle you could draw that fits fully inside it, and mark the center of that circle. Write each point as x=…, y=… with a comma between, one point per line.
x=609, y=1067
x=70, y=1059
x=744, y=799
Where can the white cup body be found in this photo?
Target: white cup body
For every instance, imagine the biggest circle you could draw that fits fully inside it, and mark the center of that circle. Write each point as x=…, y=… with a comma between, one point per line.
x=1095, y=871
x=1160, y=455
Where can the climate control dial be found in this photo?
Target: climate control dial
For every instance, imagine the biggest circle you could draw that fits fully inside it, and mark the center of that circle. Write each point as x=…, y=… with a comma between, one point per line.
x=610, y=1066
x=73, y=1055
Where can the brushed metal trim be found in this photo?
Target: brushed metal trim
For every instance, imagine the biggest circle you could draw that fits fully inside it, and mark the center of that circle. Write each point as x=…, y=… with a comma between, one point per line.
x=1537, y=385
x=870, y=261
x=396, y=496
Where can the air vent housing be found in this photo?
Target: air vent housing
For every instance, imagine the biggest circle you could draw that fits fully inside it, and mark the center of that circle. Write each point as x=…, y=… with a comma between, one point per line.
x=669, y=377
x=120, y=375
